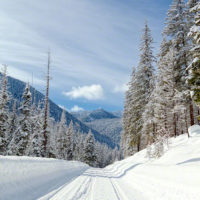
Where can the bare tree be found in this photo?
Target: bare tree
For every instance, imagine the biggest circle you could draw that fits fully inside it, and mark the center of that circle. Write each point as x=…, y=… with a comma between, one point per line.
x=46, y=108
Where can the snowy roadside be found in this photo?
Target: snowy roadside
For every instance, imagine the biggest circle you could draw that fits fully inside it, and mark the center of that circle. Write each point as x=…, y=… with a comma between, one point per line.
x=30, y=178
x=176, y=176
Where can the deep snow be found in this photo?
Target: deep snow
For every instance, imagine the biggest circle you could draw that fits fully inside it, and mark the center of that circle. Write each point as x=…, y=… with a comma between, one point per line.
x=175, y=176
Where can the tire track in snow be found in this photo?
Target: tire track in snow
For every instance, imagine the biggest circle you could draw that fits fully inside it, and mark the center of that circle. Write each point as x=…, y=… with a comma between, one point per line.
x=89, y=195
x=73, y=190
x=118, y=192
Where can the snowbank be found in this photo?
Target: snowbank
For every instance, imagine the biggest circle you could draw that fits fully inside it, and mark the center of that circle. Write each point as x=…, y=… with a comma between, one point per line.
x=194, y=130
x=30, y=178
x=176, y=175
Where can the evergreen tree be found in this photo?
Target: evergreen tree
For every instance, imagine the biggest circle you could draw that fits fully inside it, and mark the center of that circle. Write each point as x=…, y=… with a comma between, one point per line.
x=68, y=142
x=61, y=135
x=89, y=150
x=13, y=122
x=177, y=29
x=37, y=138
x=139, y=92
x=4, y=115
x=20, y=141
x=149, y=125
x=194, y=68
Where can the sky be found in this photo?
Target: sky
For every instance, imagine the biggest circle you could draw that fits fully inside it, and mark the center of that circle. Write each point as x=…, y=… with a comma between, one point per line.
x=93, y=43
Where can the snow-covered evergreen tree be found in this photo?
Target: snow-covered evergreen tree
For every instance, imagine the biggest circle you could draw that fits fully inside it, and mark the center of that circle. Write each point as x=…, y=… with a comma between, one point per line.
x=149, y=125
x=37, y=138
x=20, y=141
x=68, y=142
x=60, y=136
x=176, y=30
x=4, y=114
x=194, y=68
x=89, y=150
x=138, y=95
x=13, y=122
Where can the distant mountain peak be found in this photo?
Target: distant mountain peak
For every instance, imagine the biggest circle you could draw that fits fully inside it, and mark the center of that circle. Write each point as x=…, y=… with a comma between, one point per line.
x=89, y=116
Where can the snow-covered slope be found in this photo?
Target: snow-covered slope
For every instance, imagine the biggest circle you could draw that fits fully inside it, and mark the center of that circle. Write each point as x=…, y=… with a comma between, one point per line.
x=27, y=178
x=175, y=176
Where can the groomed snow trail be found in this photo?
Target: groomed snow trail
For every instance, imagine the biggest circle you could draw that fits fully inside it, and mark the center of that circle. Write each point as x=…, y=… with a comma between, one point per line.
x=176, y=176
x=93, y=184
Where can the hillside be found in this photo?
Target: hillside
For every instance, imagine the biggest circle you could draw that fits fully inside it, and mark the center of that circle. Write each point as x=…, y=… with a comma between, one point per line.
x=176, y=175
x=106, y=123
x=110, y=127
x=16, y=88
x=89, y=116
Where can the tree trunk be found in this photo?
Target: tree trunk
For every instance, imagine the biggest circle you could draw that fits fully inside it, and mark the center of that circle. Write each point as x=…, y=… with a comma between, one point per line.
x=191, y=115
x=186, y=123
x=46, y=107
x=175, y=133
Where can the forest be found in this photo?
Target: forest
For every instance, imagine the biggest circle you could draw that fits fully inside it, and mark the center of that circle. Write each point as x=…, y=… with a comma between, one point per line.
x=163, y=98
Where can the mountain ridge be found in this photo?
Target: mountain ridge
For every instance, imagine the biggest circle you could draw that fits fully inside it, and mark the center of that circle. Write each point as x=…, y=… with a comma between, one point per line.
x=106, y=123
x=16, y=89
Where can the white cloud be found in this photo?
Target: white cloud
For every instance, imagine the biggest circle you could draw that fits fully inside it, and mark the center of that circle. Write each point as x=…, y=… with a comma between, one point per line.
x=92, y=92
x=76, y=109
x=121, y=89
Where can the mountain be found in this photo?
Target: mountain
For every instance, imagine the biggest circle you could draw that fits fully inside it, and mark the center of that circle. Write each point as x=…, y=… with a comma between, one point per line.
x=106, y=123
x=89, y=116
x=16, y=89
x=118, y=113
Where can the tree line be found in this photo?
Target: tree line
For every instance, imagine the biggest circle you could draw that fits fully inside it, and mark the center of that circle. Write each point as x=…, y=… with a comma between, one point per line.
x=28, y=130
x=163, y=98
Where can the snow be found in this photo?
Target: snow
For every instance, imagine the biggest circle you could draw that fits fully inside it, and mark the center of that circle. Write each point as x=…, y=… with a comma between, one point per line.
x=194, y=130
x=176, y=175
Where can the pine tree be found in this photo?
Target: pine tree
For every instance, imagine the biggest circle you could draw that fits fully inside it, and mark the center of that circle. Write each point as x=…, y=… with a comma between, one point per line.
x=4, y=115
x=149, y=125
x=177, y=29
x=194, y=68
x=80, y=147
x=138, y=95
x=68, y=142
x=60, y=136
x=89, y=150
x=13, y=122
x=163, y=98
x=37, y=138
x=129, y=117
x=20, y=141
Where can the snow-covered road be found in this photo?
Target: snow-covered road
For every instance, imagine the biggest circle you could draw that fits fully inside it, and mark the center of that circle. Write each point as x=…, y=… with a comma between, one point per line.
x=94, y=184
x=176, y=175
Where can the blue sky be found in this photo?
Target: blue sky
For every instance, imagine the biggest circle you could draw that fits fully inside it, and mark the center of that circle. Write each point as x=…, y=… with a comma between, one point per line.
x=94, y=44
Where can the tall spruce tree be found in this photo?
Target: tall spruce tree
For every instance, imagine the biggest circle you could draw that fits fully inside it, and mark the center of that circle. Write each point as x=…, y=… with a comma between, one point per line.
x=68, y=142
x=89, y=150
x=13, y=122
x=177, y=28
x=139, y=92
x=61, y=136
x=37, y=137
x=194, y=68
x=4, y=114
x=20, y=141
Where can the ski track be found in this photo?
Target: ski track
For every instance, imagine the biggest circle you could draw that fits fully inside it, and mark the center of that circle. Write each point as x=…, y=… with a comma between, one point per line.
x=93, y=184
